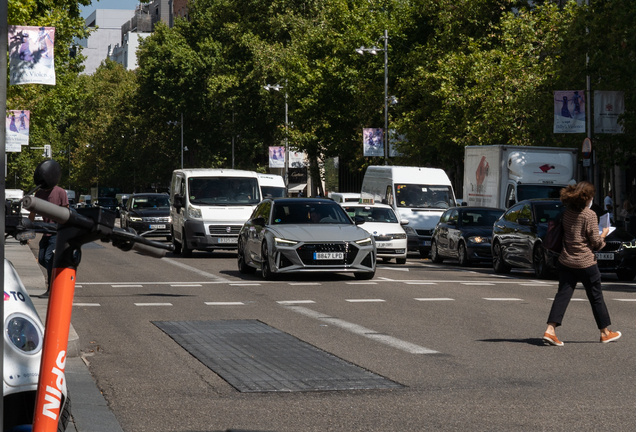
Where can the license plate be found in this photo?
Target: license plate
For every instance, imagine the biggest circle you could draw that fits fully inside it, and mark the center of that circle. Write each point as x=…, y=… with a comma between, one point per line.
x=157, y=227
x=228, y=239
x=427, y=242
x=384, y=245
x=328, y=255
x=605, y=256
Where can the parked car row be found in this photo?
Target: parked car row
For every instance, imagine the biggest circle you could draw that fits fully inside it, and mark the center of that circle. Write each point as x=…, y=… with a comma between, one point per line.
x=514, y=238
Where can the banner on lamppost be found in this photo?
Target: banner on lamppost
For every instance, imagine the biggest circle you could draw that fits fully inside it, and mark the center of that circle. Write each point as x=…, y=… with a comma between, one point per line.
x=31, y=59
x=395, y=140
x=569, y=111
x=17, y=130
x=373, y=142
x=297, y=159
x=277, y=157
x=608, y=105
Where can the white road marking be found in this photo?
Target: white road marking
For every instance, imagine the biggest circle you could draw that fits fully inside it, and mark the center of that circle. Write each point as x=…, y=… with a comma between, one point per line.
x=625, y=300
x=393, y=268
x=291, y=302
x=361, y=283
x=86, y=304
x=503, y=299
x=245, y=284
x=194, y=270
x=434, y=299
x=304, y=283
x=153, y=304
x=420, y=283
x=127, y=286
x=363, y=331
x=185, y=285
x=476, y=283
x=365, y=300
x=224, y=303
x=574, y=299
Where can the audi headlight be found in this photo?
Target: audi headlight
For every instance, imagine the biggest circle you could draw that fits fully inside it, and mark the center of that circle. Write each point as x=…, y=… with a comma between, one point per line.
x=479, y=239
x=135, y=219
x=284, y=242
x=24, y=334
x=364, y=242
x=194, y=213
x=399, y=236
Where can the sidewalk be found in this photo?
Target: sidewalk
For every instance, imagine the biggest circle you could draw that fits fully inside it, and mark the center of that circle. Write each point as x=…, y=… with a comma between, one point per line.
x=90, y=412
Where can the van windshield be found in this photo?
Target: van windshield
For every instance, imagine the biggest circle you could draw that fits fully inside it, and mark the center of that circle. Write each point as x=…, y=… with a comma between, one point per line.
x=273, y=192
x=525, y=192
x=424, y=196
x=223, y=191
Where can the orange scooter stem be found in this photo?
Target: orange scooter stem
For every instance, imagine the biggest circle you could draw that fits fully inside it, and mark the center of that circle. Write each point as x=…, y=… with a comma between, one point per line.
x=49, y=395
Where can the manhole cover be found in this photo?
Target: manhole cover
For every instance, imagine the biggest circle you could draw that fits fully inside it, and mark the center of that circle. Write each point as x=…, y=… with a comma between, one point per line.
x=254, y=357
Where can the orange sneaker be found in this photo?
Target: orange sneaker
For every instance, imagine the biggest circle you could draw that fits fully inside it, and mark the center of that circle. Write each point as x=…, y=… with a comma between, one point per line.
x=610, y=337
x=552, y=340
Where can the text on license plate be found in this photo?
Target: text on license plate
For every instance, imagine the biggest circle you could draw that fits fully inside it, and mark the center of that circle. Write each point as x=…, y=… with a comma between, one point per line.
x=228, y=240
x=157, y=227
x=604, y=256
x=427, y=242
x=328, y=255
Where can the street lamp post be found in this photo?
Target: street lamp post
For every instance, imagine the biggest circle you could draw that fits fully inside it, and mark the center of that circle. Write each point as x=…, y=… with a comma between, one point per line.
x=278, y=87
x=374, y=51
x=175, y=123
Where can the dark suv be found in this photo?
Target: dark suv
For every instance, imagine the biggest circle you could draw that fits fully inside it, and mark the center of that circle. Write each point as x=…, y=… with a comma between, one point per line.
x=148, y=214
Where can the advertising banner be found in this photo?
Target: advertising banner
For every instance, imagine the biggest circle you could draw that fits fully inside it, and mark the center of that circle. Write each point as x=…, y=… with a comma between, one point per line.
x=373, y=142
x=31, y=55
x=569, y=111
x=277, y=157
x=608, y=105
x=297, y=159
x=17, y=130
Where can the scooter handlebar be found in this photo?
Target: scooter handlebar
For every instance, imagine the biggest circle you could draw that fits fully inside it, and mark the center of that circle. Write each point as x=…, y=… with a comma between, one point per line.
x=46, y=209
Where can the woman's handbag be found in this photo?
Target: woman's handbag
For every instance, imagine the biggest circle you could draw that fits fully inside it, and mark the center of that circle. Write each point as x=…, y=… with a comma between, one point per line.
x=554, y=238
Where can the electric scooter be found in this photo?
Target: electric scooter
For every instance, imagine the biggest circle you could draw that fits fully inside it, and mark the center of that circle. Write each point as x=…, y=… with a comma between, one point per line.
x=75, y=228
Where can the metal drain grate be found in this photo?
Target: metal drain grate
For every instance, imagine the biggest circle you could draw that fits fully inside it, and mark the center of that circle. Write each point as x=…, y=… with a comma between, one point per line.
x=254, y=357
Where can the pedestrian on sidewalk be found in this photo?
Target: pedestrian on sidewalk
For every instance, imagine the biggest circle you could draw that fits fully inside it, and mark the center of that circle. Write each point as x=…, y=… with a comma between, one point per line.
x=46, y=251
x=577, y=262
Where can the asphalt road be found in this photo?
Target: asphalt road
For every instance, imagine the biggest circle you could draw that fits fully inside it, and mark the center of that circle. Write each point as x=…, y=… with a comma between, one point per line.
x=481, y=364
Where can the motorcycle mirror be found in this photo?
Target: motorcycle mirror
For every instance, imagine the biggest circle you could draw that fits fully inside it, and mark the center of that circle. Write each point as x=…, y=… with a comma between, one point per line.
x=47, y=174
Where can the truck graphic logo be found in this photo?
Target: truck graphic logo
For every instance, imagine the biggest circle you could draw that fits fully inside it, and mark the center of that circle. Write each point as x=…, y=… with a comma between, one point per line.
x=547, y=167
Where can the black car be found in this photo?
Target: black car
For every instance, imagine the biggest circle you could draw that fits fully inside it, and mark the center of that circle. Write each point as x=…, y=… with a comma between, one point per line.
x=464, y=233
x=148, y=214
x=517, y=239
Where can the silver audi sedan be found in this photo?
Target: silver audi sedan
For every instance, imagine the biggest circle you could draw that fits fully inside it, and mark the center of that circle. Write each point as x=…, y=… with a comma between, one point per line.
x=290, y=235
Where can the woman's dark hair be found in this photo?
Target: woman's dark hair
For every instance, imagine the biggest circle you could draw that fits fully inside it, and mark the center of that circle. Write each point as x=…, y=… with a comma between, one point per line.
x=576, y=196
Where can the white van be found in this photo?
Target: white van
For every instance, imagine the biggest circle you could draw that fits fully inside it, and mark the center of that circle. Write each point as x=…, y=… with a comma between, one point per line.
x=272, y=186
x=419, y=195
x=345, y=197
x=208, y=207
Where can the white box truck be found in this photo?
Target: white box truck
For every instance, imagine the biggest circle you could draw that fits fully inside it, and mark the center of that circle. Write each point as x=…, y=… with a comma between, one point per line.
x=419, y=195
x=208, y=207
x=272, y=186
x=501, y=175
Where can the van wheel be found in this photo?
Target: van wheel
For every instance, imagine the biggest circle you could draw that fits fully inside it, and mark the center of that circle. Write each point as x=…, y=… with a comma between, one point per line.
x=176, y=245
x=185, y=250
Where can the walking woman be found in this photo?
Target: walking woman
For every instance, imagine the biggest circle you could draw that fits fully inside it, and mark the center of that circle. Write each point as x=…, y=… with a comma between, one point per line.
x=577, y=262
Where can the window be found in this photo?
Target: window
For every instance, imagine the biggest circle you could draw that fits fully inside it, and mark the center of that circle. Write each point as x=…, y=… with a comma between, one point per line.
x=513, y=214
x=510, y=196
x=454, y=216
x=389, y=195
x=424, y=196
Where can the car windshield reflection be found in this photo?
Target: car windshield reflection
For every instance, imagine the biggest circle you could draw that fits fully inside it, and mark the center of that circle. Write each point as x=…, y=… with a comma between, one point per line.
x=309, y=213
